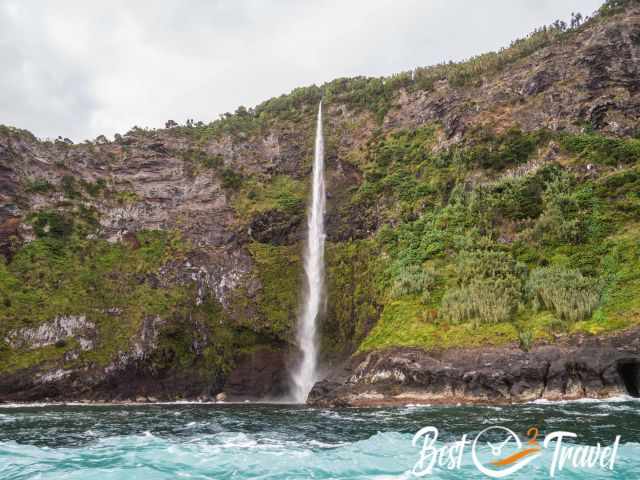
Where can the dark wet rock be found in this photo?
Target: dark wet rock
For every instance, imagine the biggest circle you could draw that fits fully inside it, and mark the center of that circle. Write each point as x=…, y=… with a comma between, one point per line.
x=539, y=82
x=259, y=375
x=597, y=114
x=158, y=147
x=350, y=223
x=453, y=125
x=9, y=235
x=582, y=367
x=276, y=227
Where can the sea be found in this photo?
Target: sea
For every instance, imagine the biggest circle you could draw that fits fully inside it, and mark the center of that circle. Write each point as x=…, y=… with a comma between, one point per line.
x=277, y=441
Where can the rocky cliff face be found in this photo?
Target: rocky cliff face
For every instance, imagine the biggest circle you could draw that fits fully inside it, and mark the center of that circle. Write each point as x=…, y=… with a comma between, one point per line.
x=166, y=263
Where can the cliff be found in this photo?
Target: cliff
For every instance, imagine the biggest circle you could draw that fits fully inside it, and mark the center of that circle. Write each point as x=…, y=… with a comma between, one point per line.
x=491, y=204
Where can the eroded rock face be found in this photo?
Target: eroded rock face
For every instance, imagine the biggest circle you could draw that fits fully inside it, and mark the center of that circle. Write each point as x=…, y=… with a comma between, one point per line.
x=55, y=332
x=587, y=367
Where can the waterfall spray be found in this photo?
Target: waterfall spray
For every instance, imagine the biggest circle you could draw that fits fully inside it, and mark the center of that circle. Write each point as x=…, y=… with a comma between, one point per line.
x=305, y=373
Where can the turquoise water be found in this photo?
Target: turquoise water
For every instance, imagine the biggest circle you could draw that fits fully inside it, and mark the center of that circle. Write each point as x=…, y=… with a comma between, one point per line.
x=284, y=442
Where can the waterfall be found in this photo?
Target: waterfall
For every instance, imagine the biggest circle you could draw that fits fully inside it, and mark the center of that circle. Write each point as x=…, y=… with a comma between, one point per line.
x=305, y=372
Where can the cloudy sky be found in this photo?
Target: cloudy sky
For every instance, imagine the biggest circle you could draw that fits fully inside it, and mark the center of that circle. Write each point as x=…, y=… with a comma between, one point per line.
x=80, y=68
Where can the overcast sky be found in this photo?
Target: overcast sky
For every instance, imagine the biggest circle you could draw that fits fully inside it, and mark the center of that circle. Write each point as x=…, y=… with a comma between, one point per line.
x=80, y=68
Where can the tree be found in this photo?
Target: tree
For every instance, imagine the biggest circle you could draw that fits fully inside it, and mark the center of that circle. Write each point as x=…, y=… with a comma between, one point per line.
x=576, y=19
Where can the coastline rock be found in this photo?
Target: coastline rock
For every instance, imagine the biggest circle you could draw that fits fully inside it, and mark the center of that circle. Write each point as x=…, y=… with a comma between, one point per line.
x=582, y=367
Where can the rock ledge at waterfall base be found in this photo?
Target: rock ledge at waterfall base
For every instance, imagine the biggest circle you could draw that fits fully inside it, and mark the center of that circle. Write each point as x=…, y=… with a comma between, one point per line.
x=580, y=367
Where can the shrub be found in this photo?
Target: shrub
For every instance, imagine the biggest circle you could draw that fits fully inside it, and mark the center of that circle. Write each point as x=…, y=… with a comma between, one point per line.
x=518, y=198
x=566, y=211
x=68, y=184
x=126, y=197
x=94, y=189
x=201, y=158
x=525, y=338
x=375, y=94
x=231, y=179
x=51, y=224
x=396, y=167
x=619, y=184
x=413, y=280
x=511, y=148
x=289, y=203
x=38, y=185
x=472, y=70
x=489, y=288
x=484, y=264
x=280, y=192
x=566, y=292
x=599, y=149
x=611, y=7
x=489, y=300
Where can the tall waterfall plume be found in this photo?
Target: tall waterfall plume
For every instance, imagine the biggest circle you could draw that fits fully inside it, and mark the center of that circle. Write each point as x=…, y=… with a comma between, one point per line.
x=305, y=372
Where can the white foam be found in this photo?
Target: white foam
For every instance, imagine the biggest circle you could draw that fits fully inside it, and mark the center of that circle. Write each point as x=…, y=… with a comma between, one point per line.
x=616, y=399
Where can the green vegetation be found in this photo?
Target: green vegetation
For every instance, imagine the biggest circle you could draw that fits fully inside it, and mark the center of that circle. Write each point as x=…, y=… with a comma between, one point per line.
x=525, y=338
x=612, y=7
x=414, y=280
x=279, y=272
x=96, y=188
x=116, y=286
x=513, y=258
x=352, y=271
x=603, y=150
x=52, y=224
x=489, y=289
x=565, y=292
x=483, y=243
x=407, y=323
x=38, y=185
x=200, y=158
x=231, y=179
x=69, y=187
x=281, y=192
x=126, y=197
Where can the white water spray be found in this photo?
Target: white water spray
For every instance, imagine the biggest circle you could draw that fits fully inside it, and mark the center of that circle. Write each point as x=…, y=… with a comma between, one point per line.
x=305, y=373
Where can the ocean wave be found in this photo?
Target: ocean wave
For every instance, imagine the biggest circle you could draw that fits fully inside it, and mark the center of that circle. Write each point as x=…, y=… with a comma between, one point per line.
x=385, y=455
x=276, y=442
